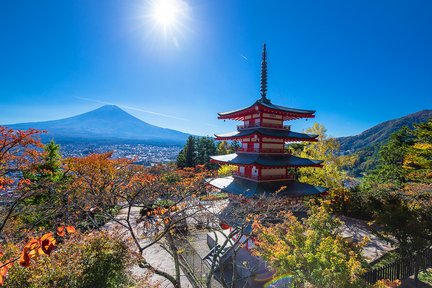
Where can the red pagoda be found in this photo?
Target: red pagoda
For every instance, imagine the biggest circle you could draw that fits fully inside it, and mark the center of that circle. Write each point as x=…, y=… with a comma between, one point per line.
x=263, y=166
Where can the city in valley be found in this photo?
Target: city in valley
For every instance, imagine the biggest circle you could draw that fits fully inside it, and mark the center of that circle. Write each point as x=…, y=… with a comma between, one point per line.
x=142, y=154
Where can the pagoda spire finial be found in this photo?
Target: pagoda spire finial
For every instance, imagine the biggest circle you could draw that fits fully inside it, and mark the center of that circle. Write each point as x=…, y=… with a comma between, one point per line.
x=264, y=75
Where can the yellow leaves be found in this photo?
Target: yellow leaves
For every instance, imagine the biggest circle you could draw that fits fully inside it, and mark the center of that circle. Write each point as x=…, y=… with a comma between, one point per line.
x=282, y=188
x=423, y=146
x=385, y=283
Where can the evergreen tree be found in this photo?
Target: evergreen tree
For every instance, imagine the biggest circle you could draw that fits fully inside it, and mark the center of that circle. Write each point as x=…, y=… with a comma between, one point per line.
x=181, y=160
x=190, y=152
x=197, y=151
x=391, y=158
x=418, y=159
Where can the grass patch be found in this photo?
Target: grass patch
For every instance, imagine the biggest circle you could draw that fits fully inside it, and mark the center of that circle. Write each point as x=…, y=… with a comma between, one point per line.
x=213, y=197
x=426, y=276
x=388, y=258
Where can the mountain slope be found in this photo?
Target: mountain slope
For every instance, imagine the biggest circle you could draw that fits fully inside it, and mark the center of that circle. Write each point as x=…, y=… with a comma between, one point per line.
x=381, y=132
x=108, y=123
x=367, y=144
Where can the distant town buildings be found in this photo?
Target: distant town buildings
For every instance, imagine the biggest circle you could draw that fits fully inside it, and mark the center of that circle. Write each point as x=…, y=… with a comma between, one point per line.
x=146, y=155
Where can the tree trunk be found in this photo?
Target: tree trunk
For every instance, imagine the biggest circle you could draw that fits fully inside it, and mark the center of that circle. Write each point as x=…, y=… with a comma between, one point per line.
x=173, y=249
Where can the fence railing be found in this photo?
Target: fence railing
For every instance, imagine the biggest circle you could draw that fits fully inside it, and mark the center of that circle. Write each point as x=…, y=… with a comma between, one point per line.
x=198, y=269
x=400, y=269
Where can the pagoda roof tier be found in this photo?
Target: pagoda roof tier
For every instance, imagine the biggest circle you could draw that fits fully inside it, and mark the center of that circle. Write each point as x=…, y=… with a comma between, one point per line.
x=249, y=189
x=264, y=105
x=268, y=160
x=287, y=135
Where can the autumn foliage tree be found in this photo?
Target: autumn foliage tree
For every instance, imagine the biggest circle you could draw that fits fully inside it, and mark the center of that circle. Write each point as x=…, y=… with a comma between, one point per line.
x=311, y=251
x=18, y=151
x=332, y=174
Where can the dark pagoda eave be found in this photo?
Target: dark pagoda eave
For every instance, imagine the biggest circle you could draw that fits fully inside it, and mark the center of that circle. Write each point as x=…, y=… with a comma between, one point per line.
x=266, y=160
x=286, y=135
x=249, y=189
x=267, y=107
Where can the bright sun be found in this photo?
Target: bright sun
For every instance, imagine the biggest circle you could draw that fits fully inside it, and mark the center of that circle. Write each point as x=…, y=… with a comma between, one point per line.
x=167, y=13
x=169, y=20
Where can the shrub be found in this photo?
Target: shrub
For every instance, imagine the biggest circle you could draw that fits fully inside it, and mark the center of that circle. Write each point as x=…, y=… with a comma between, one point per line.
x=88, y=260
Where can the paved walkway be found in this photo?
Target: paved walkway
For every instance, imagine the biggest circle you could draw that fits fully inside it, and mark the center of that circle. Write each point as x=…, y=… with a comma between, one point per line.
x=155, y=255
x=357, y=229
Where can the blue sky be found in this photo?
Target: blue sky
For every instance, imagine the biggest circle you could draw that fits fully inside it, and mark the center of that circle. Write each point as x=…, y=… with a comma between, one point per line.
x=357, y=63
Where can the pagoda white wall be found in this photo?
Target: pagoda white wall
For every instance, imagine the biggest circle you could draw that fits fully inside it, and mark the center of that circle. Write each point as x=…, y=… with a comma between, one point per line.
x=241, y=170
x=273, y=172
x=265, y=139
x=271, y=121
x=267, y=115
x=254, y=171
x=272, y=145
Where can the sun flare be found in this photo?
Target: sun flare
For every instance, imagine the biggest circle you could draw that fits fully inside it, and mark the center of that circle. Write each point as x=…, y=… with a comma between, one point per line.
x=167, y=13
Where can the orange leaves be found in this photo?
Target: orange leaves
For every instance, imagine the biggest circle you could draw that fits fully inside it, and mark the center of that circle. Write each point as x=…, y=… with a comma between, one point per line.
x=18, y=148
x=37, y=246
x=70, y=229
x=5, y=182
x=34, y=248
x=62, y=229
x=46, y=244
x=4, y=269
x=24, y=260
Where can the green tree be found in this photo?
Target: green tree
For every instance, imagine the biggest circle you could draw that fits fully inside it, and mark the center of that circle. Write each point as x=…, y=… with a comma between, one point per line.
x=187, y=157
x=407, y=215
x=390, y=164
x=222, y=148
x=418, y=158
x=332, y=175
x=197, y=151
x=48, y=181
x=181, y=160
x=190, y=152
x=311, y=251
x=205, y=148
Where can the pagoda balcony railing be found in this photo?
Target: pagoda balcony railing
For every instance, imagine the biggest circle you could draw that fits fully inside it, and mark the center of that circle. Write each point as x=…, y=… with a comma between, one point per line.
x=262, y=150
x=263, y=177
x=264, y=125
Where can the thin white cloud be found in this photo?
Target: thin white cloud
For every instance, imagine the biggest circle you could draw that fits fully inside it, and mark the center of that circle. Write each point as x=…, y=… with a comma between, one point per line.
x=133, y=108
x=243, y=56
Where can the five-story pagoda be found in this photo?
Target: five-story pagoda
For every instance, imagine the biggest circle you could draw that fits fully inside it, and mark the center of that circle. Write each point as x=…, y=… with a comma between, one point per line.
x=263, y=166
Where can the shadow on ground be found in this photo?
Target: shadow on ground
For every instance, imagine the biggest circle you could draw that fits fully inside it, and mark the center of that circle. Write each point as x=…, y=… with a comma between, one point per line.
x=409, y=283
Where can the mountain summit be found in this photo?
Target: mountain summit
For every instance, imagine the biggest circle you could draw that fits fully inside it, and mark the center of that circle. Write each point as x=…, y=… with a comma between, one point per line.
x=381, y=132
x=108, y=123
